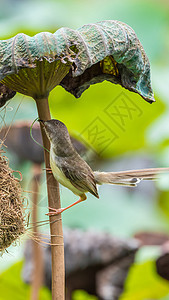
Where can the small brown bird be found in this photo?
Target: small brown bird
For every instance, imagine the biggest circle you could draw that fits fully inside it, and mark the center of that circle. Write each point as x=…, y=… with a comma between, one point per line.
x=73, y=172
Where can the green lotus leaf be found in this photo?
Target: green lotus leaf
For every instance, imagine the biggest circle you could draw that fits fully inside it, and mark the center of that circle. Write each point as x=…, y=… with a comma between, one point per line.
x=108, y=50
x=75, y=59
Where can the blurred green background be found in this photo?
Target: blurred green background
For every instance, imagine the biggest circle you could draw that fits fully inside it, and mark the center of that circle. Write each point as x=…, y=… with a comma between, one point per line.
x=141, y=140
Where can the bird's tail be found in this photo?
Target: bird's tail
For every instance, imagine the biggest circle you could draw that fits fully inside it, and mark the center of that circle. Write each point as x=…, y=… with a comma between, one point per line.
x=128, y=178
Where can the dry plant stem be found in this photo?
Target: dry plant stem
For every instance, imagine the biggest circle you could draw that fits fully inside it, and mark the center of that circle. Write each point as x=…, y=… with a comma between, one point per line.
x=38, y=262
x=57, y=248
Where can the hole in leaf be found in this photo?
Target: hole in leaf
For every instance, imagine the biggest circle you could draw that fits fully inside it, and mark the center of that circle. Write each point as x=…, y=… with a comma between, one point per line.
x=109, y=66
x=74, y=48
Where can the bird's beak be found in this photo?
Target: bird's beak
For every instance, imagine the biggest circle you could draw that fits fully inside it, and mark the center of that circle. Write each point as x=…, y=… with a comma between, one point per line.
x=41, y=122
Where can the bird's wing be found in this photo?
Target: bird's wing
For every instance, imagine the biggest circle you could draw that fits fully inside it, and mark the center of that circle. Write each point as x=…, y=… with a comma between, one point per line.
x=81, y=177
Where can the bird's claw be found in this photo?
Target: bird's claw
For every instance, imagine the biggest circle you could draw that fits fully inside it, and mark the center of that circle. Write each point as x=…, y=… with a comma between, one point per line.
x=54, y=212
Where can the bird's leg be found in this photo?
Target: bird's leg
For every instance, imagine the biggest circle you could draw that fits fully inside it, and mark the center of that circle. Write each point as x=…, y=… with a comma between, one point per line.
x=60, y=210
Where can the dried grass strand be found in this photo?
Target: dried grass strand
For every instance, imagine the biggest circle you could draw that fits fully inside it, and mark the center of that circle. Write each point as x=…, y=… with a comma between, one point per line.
x=12, y=211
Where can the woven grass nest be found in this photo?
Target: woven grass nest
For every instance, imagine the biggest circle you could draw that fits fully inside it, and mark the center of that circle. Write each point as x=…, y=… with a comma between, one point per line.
x=12, y=212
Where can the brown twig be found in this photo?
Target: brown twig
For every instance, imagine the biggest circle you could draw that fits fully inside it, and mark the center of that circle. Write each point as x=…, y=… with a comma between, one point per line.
x=58, y=269
x=38, y=262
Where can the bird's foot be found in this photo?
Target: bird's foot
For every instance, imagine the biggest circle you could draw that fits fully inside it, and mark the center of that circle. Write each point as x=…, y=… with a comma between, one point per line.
x=55, y=211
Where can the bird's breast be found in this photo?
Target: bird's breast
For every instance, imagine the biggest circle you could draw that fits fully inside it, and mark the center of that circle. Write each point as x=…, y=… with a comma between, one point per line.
x=60, y=176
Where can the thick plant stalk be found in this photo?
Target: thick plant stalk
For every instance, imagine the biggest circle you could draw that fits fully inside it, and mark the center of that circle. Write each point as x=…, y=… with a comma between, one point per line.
x=57, y=248
x=38, y=260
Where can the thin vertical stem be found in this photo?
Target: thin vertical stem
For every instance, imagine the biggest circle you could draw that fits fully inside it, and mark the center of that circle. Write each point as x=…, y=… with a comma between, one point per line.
x=38, y=261
x=57, y=248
